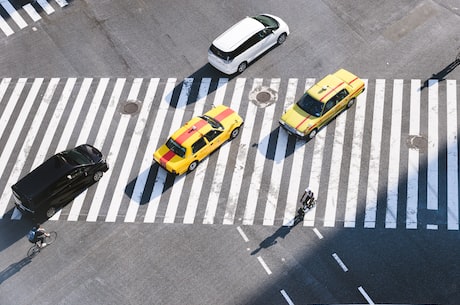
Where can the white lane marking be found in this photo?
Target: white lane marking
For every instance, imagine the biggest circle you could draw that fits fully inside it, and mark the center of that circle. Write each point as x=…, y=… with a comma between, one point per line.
x=14, y=97
x=52, y=127
x=278, y=162
x=141, y=180
x=318, y=233
x=355, y=160
x=162, y=174
x=432, y=168
x=46, y=99
x=340, y=262
x=176, y=190
x=222, y=159
x=315, y=173
x=84, y=134
x=452, y=156
x=114, y=149
x=5, y=27
x=374, y=159
x=262, y=262
x=432, y=227
x=259, y=162
x=286, y=297
x=413, y=157
x=62, y=3
x=119, y=192
x=198, y=179
x=365, y=295
x=173, y=202
x=297, y=164
x=243, y=235
x=14, y=14
x=14, y=133
x=32, y=12
x=3, y=86
x=46, y=6
x=393, y=169
x=334, y=173
x=241, y=158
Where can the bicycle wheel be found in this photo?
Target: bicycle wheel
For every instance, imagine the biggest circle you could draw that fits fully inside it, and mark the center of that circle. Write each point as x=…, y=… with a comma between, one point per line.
x=33, y=251
x=50, y=239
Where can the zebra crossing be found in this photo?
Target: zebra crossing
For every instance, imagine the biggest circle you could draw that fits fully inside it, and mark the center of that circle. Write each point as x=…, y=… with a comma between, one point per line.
x=391, y=161
x=16, y=16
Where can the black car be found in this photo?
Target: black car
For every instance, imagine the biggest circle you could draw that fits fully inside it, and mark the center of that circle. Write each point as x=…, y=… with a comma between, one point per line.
x=59, y=180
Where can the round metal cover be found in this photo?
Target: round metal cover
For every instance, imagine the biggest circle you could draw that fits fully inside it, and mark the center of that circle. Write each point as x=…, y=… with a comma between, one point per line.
x=130, y=107
x=263, y=96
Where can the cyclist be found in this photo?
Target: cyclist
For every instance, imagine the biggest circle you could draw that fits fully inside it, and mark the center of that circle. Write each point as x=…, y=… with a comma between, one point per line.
x=308, y=199
x=37, y=235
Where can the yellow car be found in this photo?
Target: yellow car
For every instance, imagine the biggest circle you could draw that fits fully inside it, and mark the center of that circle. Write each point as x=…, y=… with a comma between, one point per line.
x=198, y=138
x=321, y=103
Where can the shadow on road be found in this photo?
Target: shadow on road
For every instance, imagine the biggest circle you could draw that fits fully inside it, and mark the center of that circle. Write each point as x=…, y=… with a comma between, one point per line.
x=282, y=232
x=440, y=76
x=13, y=269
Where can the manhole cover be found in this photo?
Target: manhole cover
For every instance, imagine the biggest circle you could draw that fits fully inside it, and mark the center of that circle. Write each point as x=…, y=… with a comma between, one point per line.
x=417, y=142
x=130, y=107
x=263, y=96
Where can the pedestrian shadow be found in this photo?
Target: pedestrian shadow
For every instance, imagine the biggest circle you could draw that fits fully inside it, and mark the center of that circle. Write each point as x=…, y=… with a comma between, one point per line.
x=282, y=232
x=440, y=76
x=14, y=268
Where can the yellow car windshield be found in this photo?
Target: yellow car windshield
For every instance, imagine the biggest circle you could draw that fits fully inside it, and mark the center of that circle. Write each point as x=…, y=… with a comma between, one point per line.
x=310, y=105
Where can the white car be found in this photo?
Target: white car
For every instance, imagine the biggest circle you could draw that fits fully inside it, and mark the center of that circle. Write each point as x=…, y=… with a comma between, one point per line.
x=232, y=51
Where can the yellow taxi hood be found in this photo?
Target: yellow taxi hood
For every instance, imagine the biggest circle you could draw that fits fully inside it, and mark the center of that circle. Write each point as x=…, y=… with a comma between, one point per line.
x=297, y=118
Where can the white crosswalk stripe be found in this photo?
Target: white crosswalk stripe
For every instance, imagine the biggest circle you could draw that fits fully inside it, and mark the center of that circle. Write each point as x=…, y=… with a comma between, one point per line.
x=22, y=14
x=366, y=167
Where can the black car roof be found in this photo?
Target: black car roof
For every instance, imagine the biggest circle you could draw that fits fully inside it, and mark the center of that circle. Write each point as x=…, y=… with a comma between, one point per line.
x=47, y=174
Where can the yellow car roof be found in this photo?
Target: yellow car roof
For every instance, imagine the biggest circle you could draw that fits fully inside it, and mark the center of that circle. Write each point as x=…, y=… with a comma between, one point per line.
x=197, y=126
x=326, y=87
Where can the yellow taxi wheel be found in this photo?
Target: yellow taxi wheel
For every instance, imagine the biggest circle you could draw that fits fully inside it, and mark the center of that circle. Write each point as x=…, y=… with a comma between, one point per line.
x=235, y=133
x=192, y=166
x=351, y=102
x=312, y=133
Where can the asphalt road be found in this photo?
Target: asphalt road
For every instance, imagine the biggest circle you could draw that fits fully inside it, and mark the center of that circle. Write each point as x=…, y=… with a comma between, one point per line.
x=118, y=263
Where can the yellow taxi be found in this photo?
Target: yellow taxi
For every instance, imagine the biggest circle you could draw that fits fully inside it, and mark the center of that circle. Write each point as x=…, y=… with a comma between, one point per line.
x=198, y=138
x=321, y=103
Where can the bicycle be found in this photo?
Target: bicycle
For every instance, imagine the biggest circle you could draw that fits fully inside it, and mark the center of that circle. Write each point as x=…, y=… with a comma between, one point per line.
x=302, y=211
x=35, y=249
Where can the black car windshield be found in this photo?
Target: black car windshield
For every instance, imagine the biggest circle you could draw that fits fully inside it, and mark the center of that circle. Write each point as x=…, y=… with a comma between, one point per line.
x=310, y=105
x=75, y=157
x=212, y=122
x=267, y=21
x=175, y=147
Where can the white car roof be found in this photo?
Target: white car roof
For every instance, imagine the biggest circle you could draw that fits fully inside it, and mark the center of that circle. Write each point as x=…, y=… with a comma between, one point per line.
x=234, y=36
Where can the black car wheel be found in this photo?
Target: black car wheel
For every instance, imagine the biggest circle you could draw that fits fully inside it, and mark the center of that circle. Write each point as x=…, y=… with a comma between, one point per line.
x=51, y=211
x=97, y=176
